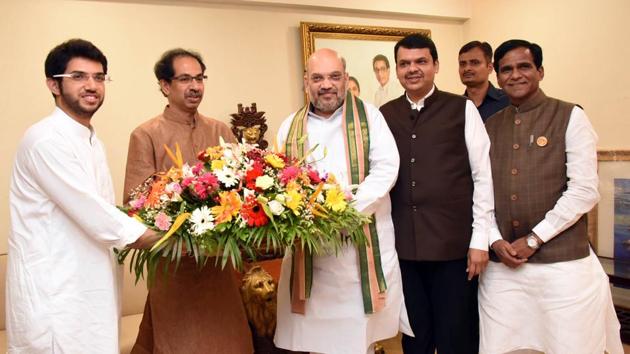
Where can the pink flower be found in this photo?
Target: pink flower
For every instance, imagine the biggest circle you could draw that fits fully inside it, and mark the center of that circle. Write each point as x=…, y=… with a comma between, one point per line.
x=197, y=169
x=138, y=203
x=187, y=182
x=162, y=221
x=177, y=188
x=289, y=174
x=209, y=180
x=201, y=190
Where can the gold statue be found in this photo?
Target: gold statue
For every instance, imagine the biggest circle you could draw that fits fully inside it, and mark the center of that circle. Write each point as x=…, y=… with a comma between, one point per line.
x=249, y=125
x=258, y=291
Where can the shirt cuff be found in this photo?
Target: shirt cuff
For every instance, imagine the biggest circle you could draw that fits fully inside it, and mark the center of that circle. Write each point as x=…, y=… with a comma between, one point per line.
x=479, y=241
x=130, y=233
x=495, y=235
x=545, y=231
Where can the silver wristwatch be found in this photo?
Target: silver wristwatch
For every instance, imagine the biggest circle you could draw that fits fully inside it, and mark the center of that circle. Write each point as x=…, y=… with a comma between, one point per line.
x=532, y=242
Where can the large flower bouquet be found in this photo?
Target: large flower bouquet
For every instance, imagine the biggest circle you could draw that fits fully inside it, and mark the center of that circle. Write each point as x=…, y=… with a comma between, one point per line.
x=239, y=199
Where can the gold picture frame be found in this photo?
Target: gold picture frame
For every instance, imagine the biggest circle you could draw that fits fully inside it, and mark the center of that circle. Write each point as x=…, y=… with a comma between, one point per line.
x=611, y=164
x=313, y=30
x=358, y=44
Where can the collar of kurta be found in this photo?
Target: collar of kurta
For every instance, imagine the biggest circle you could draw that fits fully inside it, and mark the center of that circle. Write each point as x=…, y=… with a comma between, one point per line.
x=425, y=101
x=72, y=127
x=178, y=117
x=536, y=100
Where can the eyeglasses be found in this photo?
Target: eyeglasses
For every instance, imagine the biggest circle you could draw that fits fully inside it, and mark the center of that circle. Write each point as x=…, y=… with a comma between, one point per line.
x=187, y=79
x=80, y=76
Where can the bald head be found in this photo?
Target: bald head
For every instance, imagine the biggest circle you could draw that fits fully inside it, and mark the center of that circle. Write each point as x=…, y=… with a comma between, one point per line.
x=325, y=55
x=325, y=81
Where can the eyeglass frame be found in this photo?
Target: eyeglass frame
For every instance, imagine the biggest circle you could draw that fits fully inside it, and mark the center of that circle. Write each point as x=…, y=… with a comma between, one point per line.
x=82, y=76
x=186, y=79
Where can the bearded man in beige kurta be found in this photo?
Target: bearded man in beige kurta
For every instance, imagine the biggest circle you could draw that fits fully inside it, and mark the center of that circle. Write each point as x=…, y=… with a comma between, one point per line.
x=190, y=310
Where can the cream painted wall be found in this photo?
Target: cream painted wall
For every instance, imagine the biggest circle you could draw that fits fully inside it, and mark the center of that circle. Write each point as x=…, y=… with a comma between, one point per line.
x=585, y=53
x=253, y=55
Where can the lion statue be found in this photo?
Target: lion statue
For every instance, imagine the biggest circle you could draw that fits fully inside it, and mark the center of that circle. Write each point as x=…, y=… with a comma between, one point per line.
x=258, y=291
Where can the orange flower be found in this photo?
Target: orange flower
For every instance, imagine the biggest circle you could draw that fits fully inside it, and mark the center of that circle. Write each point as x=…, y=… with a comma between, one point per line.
x=229, y=207
x=157, y=189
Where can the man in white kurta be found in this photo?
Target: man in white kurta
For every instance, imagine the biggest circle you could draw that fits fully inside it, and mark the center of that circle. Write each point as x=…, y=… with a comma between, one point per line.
x=334, y=319
x=61, y=284
x=549, y=291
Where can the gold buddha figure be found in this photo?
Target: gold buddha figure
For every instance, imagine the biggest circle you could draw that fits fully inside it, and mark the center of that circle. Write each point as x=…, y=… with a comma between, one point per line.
x=249, y=125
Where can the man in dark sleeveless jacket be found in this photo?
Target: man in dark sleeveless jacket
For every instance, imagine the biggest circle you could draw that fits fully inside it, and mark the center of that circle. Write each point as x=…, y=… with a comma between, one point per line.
x=442, y=203
x=548, y=292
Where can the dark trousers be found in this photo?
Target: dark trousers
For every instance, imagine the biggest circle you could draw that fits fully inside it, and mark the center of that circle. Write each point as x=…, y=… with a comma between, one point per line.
x=442, y=307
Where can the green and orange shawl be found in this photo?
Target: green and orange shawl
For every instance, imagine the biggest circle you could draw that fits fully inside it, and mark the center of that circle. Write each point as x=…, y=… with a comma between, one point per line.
x=357, y=143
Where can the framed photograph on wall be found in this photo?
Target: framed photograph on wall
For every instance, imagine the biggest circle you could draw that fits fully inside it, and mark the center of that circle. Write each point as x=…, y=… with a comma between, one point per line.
x=360, y=46
x=609, y=222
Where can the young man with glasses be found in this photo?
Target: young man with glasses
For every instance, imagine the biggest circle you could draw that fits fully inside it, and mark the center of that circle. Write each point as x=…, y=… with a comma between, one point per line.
x=204, y=306
x=61, y=288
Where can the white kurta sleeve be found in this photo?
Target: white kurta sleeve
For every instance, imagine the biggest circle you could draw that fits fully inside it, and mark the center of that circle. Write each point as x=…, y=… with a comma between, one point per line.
x=485, y=229
x=384, y=163
x=62, y=176
x=582, y=193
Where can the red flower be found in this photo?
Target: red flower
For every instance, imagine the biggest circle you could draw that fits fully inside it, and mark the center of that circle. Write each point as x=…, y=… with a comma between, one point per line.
x=202, y=156
x=253, y=173
x=255, y=155
x=314, y=176
x=253, y=213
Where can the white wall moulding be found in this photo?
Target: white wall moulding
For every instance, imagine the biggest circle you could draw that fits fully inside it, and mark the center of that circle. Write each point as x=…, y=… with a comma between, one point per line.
x=448, y=9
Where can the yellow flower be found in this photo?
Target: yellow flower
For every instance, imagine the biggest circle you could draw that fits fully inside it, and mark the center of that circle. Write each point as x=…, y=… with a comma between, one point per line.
x=274, y=161
x=335, y=200
x=293, y=200
x=174, y=173
x=214, y=152
x=229, y=206
x=217, y=165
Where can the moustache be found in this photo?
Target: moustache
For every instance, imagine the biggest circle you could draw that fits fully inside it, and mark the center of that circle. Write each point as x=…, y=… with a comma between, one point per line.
x=323, y=92
x=91, y=93
x=193, y=94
